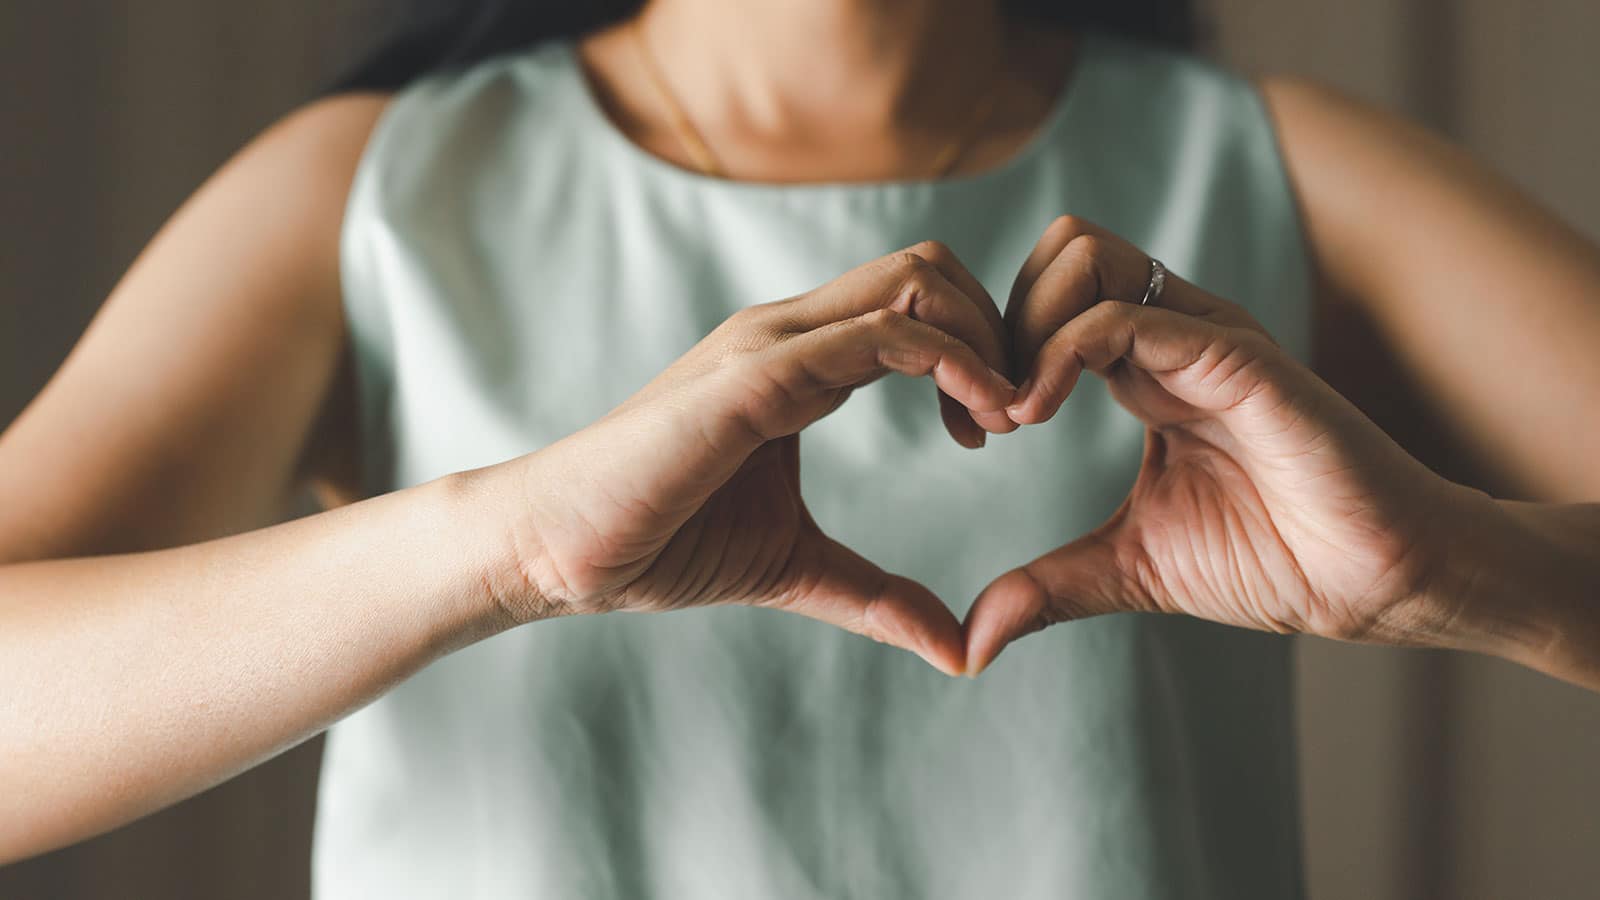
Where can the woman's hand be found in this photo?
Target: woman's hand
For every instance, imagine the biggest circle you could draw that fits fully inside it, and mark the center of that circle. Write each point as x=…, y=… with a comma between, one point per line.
x=689, y=492
x=1265, y=499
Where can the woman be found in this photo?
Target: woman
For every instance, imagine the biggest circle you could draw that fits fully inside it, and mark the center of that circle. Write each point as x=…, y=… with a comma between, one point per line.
x=564, y=312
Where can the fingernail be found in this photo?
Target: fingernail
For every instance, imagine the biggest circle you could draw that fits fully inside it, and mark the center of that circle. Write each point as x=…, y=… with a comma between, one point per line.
x=1002, y=379
x=983, y=438
x=1021, y=397
x=974, y=673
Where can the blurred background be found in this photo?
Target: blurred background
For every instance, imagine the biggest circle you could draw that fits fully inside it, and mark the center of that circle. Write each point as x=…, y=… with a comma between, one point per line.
x=1424, y=774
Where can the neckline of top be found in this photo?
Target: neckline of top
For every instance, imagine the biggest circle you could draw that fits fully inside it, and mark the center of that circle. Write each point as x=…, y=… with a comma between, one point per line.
x=1068, y=97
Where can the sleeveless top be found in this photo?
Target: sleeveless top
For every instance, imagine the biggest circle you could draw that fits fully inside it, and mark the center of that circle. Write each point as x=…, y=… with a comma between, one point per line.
x=514, y=266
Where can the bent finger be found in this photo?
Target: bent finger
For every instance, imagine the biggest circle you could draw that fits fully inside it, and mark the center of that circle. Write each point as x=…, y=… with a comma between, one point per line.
x=847, y=353
x=930, y=297
x=994, y=346
x=902, y=280
x=941, y=257
x=1207, y=365
x=1077, y=264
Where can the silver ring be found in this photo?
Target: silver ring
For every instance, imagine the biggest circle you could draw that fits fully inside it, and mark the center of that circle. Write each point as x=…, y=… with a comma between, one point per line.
x=1158, y=280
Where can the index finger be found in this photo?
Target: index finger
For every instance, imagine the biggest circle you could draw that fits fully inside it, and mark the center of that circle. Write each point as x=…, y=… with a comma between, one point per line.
x=994, y=349
x=929, y=268
x=1077, y=264
x=929, y=283
x=1069, y=270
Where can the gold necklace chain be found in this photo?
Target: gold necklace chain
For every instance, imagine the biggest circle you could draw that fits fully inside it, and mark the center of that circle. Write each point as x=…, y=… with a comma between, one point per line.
x=706, y=161
x=688, y=135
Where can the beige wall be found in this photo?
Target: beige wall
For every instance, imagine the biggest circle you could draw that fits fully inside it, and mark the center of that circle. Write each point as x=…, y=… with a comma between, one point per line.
x=1426, y=774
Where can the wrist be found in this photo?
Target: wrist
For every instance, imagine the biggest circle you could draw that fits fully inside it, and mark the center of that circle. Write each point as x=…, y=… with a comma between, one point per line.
x=1517, y=582
x=487, y=508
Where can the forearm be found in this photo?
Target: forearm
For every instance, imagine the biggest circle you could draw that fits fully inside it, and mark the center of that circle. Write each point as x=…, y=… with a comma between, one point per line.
x=133, y=681
x=1527, y=579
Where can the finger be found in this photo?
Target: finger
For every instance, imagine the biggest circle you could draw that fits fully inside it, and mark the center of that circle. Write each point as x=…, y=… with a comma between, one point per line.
x=1084, y=578
x=1075, y=265
x=959, y=422
x=1057, y=235
x=927, y=282
x=1210, y=366
x=847, y=353
x=788, y=385
x=991, y=345
x=927, y=267
x=1183, y=297
x=1090, y=267
x=995, y=348
x=930, y=297
x=852, y=593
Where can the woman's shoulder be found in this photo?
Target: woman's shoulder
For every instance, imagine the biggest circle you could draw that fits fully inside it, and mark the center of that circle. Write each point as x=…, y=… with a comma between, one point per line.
x=295, y=175
x=319, y=141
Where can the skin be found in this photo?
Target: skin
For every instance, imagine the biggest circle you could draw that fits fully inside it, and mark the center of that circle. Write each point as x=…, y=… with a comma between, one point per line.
x=166, y=634
x=1265, y=499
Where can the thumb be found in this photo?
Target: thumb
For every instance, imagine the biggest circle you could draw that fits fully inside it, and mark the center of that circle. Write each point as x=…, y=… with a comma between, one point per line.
x=843, y=588
x=1087, y=577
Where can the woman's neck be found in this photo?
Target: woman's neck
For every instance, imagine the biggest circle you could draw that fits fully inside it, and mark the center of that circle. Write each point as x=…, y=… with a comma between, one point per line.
x=781, y=65
x=842, y=90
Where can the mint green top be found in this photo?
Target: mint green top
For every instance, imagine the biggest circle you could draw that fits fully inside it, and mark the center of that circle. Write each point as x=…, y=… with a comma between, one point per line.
x=514, y=267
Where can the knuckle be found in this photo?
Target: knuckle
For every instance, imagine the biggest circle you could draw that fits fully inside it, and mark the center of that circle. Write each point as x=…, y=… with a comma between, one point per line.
x=908, y=262
x=908, y=278
x=1117, y=266
x=868, y=621
x=932, y=251
x=1043, y=609
x=881, y=319
x=921, y=278
x=916, y=290
x=1091, y=252
x=1103, y=314
x=1091, y=247
x=1064, y=228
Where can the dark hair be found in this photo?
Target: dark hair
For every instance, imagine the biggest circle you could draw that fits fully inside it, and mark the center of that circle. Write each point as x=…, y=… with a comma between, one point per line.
x=426, y=35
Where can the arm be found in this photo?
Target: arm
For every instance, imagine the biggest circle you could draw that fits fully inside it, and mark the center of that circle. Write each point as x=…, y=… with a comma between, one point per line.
x=1527, y=576
x=1491, y=302
x=1493, y=305
x=155, y=638
x=1266, y=500
x=145, y=671
x=134, y=681
x=187, y=408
